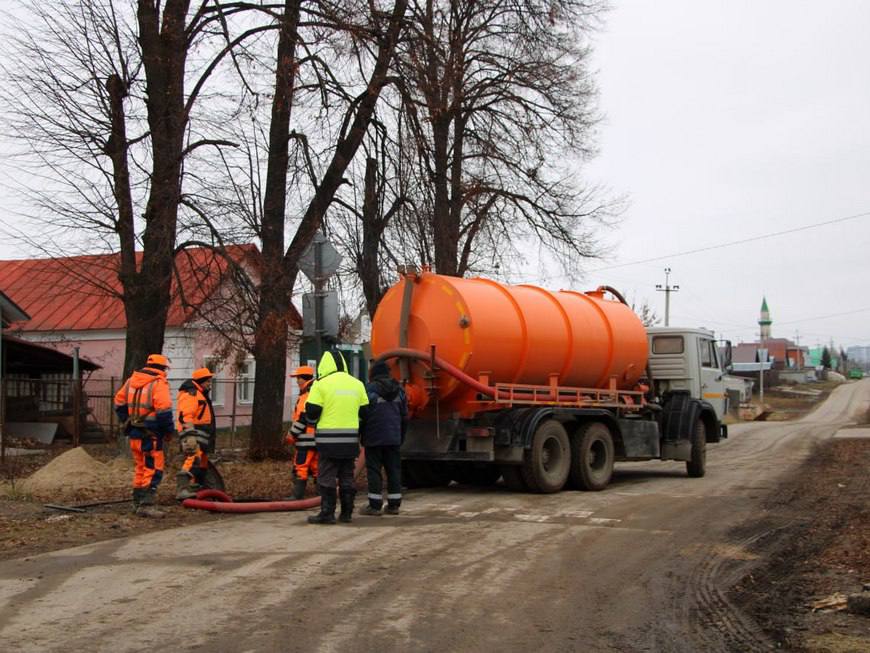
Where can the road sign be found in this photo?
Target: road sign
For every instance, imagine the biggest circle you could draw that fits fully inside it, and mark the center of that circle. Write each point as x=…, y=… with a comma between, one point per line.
x=329, y=259
x=330, y=314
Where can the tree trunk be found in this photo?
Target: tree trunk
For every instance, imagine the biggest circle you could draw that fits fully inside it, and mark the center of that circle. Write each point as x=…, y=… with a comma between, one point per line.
x=277, y=285
x=147, y=292
x=372, y=228
x=270, y=345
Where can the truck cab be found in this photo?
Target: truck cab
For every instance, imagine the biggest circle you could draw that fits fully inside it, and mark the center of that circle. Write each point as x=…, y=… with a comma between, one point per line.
x=688, y=361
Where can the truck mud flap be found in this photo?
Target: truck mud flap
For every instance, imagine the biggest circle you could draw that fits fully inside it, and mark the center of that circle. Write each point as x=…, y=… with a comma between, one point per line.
x=678, y=418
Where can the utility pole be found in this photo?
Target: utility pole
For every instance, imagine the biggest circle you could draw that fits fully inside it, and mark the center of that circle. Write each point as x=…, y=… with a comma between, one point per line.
x=667, y=289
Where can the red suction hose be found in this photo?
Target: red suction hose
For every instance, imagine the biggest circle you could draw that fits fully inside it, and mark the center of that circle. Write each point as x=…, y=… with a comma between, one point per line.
x=217, y=501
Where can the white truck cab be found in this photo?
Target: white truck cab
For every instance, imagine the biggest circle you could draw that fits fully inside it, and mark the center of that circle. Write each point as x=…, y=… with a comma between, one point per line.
x=687, y=360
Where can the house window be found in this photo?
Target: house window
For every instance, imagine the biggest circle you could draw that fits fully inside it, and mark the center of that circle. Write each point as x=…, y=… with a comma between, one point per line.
x=218, y=384
x=245, y=383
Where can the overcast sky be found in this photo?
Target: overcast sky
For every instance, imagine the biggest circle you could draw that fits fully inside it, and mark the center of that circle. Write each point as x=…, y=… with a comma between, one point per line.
x=725, y=121
x=731, y=120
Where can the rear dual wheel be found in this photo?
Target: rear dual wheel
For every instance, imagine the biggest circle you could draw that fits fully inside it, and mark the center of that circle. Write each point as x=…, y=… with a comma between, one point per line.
x=592, y=456
x=547, y=463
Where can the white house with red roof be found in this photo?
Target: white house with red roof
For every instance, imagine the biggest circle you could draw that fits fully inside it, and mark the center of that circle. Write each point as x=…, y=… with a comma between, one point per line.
x=76, y=302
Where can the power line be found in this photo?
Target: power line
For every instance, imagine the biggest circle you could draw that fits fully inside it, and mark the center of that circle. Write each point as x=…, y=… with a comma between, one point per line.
x=742, y=241
x=824, y=317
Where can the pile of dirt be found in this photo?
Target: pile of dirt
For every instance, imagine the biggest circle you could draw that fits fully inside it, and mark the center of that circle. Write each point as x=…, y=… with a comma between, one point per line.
x=72, y=471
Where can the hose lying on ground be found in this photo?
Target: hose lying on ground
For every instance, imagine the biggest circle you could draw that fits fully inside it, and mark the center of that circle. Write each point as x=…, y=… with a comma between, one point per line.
x=217, y=501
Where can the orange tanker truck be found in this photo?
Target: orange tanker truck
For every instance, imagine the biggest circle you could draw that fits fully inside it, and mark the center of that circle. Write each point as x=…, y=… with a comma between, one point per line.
x=543, y=388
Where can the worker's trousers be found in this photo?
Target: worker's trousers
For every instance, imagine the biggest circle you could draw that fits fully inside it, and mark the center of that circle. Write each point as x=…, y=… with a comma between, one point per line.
x=196, y=465
x=332, y=469
x=306, y=463
x=148, y=461
x=388, y=458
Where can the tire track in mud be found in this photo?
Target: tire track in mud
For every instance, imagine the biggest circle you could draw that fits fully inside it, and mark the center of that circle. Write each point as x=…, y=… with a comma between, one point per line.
x=714, y=611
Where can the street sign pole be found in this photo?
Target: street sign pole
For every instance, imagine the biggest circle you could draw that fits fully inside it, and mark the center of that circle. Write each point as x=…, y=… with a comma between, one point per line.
x=318, y=296
x=319, y=262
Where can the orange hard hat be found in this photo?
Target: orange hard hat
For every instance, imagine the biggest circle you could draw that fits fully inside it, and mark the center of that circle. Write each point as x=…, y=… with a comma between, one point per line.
x=304, y=370
x=157, y=359
x=202, y=374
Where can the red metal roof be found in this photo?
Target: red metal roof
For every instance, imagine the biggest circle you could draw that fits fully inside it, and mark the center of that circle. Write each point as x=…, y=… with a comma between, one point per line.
x=84, y=292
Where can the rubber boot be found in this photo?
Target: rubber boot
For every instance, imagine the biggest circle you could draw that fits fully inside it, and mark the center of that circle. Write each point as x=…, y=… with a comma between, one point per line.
x=346, y=515
x=183, y=487
x=137, y=498
x=147, y=506
x=327, y=507
x=299, y=488
x=392, y=507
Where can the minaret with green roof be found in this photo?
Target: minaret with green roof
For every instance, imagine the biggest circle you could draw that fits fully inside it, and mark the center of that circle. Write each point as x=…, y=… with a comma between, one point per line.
x=764, y=321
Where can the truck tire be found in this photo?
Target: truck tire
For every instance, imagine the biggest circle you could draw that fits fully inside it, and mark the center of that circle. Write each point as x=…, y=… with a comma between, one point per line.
x=696, y=467
x=513, y=478
x=592, y=456
x=547, y=463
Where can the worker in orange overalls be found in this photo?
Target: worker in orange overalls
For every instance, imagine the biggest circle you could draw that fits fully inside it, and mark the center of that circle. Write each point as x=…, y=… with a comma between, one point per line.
x=301, y=434
x=144, y=407
x=196, y=424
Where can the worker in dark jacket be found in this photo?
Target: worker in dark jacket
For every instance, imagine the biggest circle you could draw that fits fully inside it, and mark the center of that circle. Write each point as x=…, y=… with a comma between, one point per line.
x=385, y=425
x=335, y=406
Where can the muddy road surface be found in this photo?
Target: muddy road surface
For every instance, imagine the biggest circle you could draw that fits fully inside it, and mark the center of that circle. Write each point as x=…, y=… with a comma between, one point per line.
x=641, y=566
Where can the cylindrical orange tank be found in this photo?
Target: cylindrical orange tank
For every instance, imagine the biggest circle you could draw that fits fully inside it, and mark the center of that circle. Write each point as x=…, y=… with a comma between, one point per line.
x=515, y=334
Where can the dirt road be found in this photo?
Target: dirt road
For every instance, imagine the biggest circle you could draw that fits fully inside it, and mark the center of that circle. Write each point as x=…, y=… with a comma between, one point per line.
x=642, y=566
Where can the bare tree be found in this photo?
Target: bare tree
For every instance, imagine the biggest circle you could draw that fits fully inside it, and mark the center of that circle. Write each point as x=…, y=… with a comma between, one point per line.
x=497, y=98
x=646, y=313
x=103, y=104
x=363, y=213
x=328, y=67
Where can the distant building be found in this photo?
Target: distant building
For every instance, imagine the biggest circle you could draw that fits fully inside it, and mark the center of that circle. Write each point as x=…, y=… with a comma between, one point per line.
x=783, y=354
x=764, y=321
x=859, y=354
x=814, y=357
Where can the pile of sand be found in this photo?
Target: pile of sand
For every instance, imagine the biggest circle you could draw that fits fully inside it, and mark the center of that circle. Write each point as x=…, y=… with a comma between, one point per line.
x=75, y=470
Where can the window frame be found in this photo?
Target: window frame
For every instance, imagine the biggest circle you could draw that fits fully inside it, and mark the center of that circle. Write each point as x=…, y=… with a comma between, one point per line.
x=667, y=337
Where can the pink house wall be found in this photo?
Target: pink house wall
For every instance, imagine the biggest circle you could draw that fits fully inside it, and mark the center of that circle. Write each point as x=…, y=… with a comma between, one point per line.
x=188, y=349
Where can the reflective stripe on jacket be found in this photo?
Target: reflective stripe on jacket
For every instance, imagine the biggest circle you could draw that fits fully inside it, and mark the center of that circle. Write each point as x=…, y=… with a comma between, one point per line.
x=306, y=439
x=334, y=404
x=144, y=400
x=194, y=408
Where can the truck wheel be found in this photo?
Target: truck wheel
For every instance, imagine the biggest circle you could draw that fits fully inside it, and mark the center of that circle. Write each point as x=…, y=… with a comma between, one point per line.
x=547, y=463
x=592, y=456
x=513, y=478
x=697, y=465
